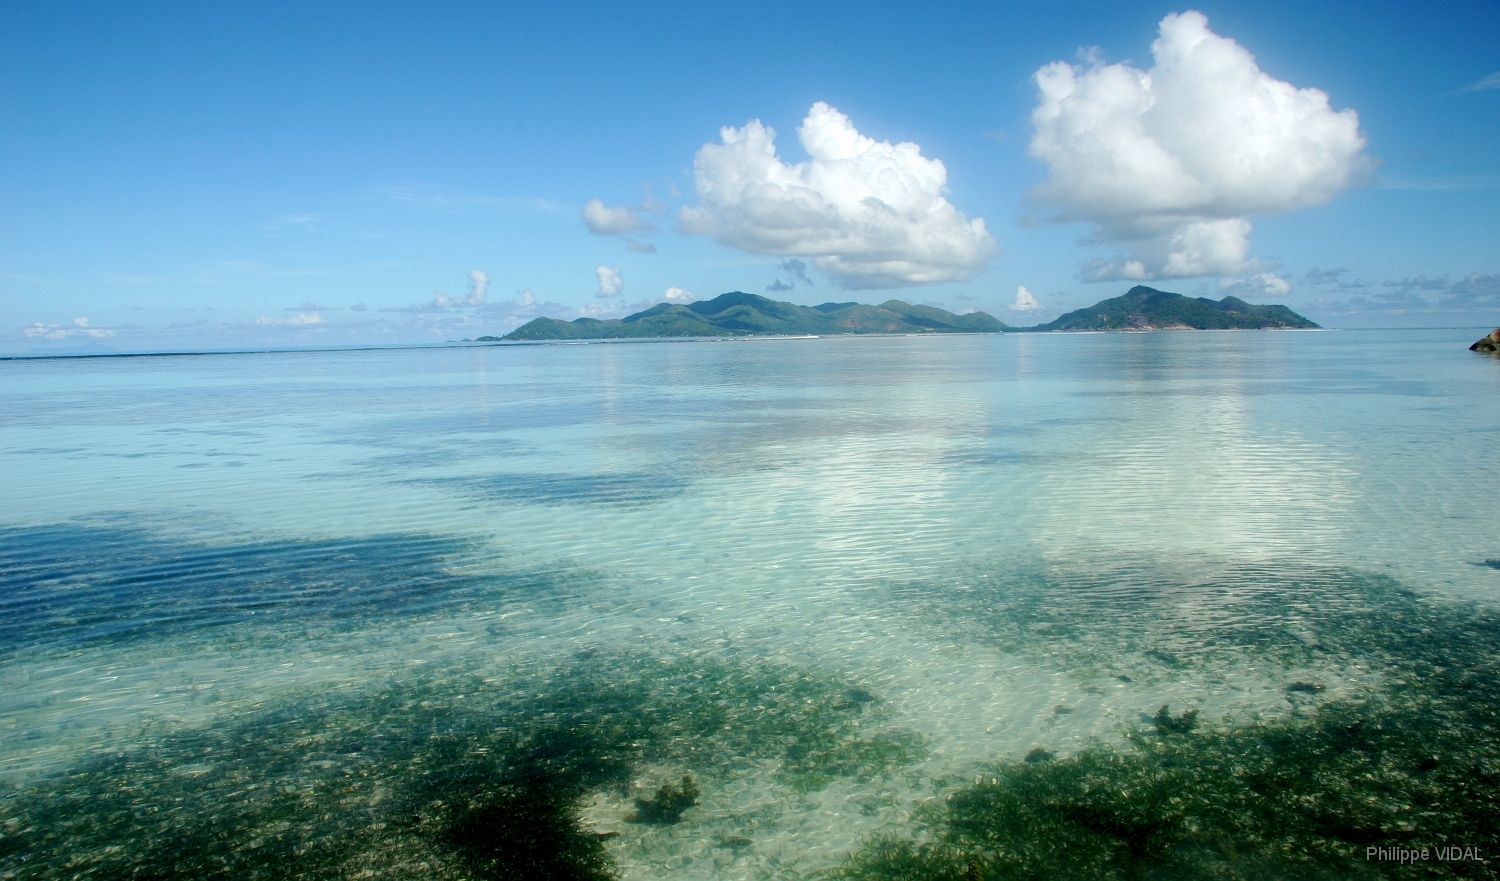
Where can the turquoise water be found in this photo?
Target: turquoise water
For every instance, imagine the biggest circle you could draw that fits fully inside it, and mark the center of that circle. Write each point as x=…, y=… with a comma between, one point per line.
x=827, y=578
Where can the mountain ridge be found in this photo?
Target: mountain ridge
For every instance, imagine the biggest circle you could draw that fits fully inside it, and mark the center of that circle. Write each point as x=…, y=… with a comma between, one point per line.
x=740, y=314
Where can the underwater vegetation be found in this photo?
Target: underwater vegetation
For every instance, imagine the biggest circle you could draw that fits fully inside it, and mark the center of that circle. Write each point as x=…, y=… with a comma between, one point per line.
x=1290, y=800
x=447, y=776
x=1411, y=763
x=818, y=761
x=1136, y=624
x=68, y=584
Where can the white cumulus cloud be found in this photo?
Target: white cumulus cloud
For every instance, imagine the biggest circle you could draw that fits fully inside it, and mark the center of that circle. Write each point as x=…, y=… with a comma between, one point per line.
x=1025, y=301
x=870, y=214
x=1169, y=162
x=611, y=281
x=678, y=295
x=605, y=221
x=479, y=285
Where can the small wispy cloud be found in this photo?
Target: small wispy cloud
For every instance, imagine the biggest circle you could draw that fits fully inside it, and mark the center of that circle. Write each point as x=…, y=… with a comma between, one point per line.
x=605, y=221
x=304, y=319
x=796, y=271
x=1454, y=182
x=1491, y=81
x=621, y=220
x=443, y=198
x=1475, y=290
x=1261, y=285
x=79, y=327
x=1316, y=276
x=1319, y=277
x=303, y=222
x=599, y=310
x=1424, y=294
x=652, y=205
x=1420, y=283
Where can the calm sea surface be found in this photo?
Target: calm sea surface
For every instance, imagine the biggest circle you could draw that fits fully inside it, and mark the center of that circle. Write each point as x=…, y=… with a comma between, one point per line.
x=337, y=606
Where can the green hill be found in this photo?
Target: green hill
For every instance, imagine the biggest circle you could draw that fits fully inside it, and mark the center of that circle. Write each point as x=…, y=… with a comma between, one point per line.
x=741, y=314
x=1143, y=308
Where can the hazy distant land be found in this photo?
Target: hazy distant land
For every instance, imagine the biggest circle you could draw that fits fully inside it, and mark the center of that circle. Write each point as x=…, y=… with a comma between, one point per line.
x=741, y=314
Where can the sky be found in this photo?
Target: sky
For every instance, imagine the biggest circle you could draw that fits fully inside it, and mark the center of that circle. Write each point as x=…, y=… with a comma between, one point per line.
x=184, y=176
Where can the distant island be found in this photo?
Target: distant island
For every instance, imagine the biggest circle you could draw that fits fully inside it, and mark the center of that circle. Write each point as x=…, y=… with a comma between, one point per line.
x=741, y=314
x=1143, y=308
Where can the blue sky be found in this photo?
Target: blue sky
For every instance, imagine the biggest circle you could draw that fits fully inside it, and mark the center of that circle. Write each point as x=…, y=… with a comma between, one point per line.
x=223, y=175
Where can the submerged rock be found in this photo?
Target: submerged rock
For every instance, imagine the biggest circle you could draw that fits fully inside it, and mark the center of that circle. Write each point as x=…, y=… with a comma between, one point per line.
x=668, y=805
x=1489, y=345
x=1167, y=724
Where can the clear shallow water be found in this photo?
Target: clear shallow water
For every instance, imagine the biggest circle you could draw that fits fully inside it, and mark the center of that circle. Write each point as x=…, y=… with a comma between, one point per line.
x=948, y=551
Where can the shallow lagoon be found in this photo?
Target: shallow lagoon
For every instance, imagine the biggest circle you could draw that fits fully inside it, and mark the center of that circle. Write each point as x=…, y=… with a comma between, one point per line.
x=461, y=612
